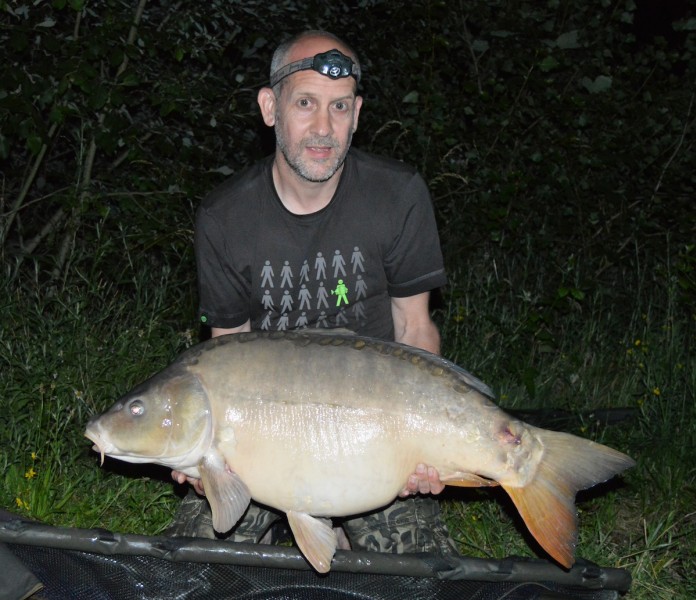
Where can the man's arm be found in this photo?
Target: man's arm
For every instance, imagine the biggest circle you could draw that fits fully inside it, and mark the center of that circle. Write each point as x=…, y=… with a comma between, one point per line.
x=413, y=326
x=412, y=323
x=216, y=331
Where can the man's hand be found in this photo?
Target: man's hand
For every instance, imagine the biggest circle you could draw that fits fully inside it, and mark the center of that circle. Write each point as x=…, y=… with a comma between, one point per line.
x=197, y=484
x=426, y=480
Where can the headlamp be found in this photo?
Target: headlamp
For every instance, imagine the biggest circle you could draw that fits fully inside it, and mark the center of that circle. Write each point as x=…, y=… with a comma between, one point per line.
x=333, y=64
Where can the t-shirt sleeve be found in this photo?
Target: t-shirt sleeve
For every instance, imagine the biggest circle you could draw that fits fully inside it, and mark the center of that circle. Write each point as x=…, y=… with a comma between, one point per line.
x=223, y=286
x=413, y=261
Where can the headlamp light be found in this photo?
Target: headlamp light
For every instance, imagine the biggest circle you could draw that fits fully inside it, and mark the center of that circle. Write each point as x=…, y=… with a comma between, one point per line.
x=333, y=64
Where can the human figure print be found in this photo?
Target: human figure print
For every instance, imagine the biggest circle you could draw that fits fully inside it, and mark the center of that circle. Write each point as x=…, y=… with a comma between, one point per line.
x=320, y=266
x=304, y=297
x=267, y=274
x=359, y=311
x=322, y=296
x=267, y=300
x=360, y=288
x=341, y=293
x=286, y=275
x=286, y=302
x=266, y=323
x=341, y=318
x=356, y=260
x=338, y=264
x=304, y=272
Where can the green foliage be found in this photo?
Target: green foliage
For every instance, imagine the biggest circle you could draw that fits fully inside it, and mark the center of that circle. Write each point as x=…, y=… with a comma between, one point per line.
x=558, y=142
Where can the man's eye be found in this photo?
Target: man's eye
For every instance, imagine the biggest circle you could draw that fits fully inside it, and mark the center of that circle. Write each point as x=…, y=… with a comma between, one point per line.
x=341, y=106
x=304, y=102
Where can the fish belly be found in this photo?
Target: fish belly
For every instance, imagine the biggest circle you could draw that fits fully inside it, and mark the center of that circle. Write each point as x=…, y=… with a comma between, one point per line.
x=321, y=460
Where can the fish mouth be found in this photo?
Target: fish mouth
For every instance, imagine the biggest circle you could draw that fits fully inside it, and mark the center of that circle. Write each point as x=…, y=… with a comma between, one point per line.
x=99, y=445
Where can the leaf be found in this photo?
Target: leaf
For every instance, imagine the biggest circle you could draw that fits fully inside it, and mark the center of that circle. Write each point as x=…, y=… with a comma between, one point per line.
x=411, y=98
x=568, y=40
x=98, y=97
x=223, y=170
x=34, y=143
x=130, y=79
x=685, y=25
x=548, y=64
x=602, y=83
x=480, y=46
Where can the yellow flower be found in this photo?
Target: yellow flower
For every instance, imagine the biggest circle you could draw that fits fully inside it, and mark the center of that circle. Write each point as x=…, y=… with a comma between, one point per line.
x=30, y=474
x=656, y=391
x=33, y=456
x=21, y=503
x=637, y=343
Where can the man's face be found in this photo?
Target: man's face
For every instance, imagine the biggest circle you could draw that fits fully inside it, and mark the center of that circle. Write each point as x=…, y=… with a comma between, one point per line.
x=314, y=119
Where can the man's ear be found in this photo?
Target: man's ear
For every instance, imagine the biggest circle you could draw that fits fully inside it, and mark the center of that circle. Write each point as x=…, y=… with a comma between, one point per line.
x=356, y=112
x=267, y=103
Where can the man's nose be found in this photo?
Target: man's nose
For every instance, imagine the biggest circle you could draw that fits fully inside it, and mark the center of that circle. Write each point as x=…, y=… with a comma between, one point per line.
x=322, y=125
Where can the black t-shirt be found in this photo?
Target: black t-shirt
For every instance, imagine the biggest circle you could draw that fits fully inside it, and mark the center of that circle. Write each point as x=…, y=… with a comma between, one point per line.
x=337, y=267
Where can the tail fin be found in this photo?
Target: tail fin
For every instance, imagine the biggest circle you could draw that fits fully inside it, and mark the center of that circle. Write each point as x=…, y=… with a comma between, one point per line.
x=547, y=502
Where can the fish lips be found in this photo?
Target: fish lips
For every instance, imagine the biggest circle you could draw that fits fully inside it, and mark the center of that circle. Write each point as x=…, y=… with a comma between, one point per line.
x=100, y=446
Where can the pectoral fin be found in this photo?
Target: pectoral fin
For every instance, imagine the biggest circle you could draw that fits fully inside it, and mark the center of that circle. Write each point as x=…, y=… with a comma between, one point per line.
x=227, y=493
x=315, y=538
x=469, y=480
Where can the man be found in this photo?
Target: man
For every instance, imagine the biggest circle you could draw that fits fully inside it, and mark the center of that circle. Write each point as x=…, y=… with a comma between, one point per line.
x=321, y=235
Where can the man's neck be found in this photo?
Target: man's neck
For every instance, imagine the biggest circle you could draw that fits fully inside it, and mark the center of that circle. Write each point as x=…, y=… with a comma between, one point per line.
x=299, y=196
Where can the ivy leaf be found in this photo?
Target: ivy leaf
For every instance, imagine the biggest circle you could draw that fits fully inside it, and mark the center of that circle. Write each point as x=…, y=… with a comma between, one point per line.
x=568, y=40
x=601, y=83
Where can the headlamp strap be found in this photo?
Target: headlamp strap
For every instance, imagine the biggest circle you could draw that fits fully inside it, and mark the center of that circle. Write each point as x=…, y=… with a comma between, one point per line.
x=333, y=64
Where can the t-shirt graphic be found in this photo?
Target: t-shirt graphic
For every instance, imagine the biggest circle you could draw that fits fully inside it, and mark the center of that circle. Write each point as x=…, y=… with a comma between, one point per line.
x=325, y=295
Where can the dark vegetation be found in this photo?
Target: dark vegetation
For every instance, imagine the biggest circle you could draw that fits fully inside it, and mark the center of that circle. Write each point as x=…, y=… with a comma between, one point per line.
x=558, y=142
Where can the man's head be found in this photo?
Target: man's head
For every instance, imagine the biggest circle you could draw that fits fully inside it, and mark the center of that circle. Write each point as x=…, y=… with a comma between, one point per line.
x=282, y=65
x=314, y=114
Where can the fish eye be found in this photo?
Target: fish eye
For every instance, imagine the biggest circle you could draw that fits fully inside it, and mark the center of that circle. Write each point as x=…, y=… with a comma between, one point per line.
x=137, y=408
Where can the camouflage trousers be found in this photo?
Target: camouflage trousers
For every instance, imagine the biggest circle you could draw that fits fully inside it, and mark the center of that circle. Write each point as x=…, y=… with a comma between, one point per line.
x=407, y=525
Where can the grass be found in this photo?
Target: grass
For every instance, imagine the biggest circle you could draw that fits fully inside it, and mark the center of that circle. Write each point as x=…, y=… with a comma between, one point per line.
x=582, y=355
x=68, y=351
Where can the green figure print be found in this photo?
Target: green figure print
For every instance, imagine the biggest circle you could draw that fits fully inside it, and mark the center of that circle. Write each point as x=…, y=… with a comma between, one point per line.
x=340, y=293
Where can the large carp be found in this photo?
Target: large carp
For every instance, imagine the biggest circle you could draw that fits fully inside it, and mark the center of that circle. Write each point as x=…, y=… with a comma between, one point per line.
x=330, y=425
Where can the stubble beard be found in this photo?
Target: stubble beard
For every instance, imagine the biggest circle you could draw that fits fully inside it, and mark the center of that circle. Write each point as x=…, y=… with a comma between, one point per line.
x=315, y=173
